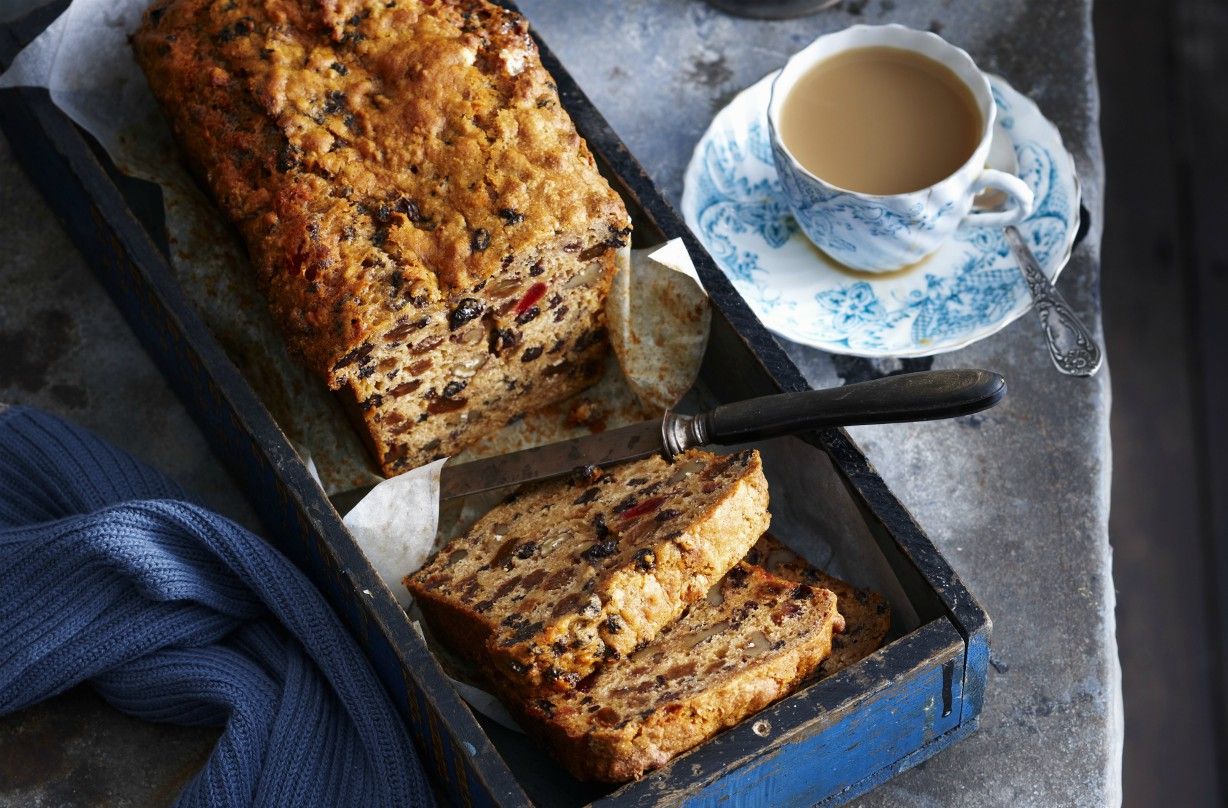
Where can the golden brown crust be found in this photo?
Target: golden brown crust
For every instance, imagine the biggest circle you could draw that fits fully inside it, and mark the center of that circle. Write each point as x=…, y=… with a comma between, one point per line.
x=570, y=574
x=430, y=230
x=750, y=643
x=373, y=153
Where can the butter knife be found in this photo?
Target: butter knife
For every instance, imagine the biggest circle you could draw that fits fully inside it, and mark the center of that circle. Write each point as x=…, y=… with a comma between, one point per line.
x=1072, y=346
x=907, y=397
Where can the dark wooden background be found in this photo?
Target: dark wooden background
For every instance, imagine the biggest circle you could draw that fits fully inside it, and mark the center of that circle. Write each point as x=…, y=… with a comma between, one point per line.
x=1164, y=92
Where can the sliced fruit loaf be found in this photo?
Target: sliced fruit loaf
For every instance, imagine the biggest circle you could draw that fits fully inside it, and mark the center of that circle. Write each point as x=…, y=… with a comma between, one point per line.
x=572, y=573
x=867, y=615
x=747, y=644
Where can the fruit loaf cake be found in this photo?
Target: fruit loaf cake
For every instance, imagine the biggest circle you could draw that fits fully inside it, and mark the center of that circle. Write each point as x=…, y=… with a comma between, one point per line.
x=431, y=232
x=569, y=574
x=747, y=644
x=867, y=616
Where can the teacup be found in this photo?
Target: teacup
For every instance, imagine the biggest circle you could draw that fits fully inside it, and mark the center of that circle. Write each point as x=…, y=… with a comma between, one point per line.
x=877, y=232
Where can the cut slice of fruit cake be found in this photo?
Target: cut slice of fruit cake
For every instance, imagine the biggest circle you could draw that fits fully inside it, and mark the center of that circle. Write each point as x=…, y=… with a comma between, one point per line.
x=751, y=641
x=867, y=614
x=568, y=574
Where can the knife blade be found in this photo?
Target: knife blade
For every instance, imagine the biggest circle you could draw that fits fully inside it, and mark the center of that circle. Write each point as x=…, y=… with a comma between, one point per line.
x=919, y=396
x=554, y=459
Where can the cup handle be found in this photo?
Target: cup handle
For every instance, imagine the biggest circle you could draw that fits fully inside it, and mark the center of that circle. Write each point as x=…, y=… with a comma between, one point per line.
x=1019, y=207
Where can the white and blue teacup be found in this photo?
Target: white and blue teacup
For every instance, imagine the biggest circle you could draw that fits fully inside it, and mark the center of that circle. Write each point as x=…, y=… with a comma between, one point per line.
x=881, y=233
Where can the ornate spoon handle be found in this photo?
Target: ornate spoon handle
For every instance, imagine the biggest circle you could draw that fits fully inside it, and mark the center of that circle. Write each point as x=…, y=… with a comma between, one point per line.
x=1072, y=346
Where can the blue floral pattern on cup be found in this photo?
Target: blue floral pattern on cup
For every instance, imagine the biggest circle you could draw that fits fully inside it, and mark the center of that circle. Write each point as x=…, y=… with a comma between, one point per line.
x=847, y=226
x=971, y=287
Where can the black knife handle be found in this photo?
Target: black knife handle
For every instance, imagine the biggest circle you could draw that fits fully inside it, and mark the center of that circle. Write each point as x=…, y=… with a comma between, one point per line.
x=922, y=396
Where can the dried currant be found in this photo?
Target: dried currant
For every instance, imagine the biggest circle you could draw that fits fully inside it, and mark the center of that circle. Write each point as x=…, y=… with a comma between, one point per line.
x=411, y=210
x=502, y=339
x=528, y=315
x=334, y=102
x=625, y=503
x=359, y=354
x=480, y=240
x=645, y=560
x=531, y=353
x=587, y=497
x=602, y=549
x=465, y=311
x=452, y=388
x=511, y=216
x=737, y=576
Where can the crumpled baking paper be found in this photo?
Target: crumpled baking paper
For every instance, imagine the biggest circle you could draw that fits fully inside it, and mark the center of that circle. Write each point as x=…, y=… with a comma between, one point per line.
x=396, y=523
x=659, y=317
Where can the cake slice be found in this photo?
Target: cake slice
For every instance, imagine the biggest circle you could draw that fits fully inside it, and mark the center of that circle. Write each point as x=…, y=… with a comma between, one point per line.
x=572, y=573
x=747, y=644
x=867, y=615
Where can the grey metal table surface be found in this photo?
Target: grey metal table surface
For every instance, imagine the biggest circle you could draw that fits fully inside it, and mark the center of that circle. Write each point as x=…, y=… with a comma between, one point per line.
x=1016, y=498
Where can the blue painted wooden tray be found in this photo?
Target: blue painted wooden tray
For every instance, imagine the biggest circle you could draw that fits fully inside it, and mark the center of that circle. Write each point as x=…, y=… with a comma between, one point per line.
x=824, y=745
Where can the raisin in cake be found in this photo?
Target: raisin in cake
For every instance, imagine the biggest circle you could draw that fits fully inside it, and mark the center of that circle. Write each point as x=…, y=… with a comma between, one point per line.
x=430, y=230
x=747, y=644
x=867, y=615
x=572, y=573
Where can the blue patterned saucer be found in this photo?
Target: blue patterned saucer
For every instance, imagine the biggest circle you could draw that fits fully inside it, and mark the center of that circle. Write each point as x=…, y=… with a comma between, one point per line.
x=967, y=290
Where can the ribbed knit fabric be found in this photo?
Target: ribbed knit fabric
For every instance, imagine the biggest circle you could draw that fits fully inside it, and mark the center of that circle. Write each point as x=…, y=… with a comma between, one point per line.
x=173, y=613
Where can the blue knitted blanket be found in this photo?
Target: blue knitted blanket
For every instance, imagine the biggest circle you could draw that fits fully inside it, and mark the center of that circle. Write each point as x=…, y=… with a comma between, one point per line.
x=108, y=574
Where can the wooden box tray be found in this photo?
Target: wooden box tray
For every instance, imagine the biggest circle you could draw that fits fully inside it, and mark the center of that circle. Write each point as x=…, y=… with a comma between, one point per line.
x=824, y=745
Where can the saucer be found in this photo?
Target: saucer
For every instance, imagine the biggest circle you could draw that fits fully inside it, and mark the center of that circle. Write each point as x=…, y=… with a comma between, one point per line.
x=970, y=288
